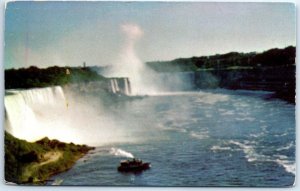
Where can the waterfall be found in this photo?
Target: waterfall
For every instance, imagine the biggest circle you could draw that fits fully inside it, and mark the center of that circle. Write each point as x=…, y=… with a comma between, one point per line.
x=43, y=96
x=25, y=110
x=20, y=117
x=165, y=82
x=127, y=86
x=112, y=86
x=63, y=114
x=116, y=85
x=120, y=86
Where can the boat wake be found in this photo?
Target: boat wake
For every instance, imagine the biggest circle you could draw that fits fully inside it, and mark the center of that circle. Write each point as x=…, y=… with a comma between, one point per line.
x=120, y=152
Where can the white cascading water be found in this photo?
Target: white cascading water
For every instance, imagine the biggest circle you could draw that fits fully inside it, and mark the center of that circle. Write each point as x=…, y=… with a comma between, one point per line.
x=20, y=118
x=127, y=86
x=116, y=85
x=67, y=116
x=120, y=86
x=112, y=86
x=43, y=96
x=25, y=111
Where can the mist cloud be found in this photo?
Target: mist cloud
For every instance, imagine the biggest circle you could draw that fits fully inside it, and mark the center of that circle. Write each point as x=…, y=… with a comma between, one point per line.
x=128, y=64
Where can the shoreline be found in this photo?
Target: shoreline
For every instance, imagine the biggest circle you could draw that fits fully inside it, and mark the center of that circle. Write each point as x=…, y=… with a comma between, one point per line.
x=34, y=163
x=48, y=179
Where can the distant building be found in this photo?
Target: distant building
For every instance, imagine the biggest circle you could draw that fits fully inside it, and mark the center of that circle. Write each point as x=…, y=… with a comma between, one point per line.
x=68, y=71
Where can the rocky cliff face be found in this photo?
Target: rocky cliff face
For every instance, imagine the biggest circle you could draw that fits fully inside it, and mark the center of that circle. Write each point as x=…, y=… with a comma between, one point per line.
x=281, y=80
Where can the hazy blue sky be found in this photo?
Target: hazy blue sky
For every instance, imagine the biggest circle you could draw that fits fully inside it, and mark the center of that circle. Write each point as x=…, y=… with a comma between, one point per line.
x=68, y=33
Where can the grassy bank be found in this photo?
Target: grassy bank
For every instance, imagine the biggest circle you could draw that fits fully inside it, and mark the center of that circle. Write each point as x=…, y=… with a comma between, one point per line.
x=34, y=163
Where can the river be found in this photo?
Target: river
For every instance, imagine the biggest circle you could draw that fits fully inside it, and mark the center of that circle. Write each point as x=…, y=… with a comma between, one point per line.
x=205, y=138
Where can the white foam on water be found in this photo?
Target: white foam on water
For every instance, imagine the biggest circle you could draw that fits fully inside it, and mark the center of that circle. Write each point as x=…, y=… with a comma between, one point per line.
x=162, y=127
x=203, y=97
x=252, y=156
x=249, y=151
x=181, y=130
x=219, y=148
x=289, y=166
x=208, y=115
x=246, y=119
x=257, y=134
x=287, y=147
x=173, y=93
x=282, y=135
x=241, y=104
x=211, y=98
x=199, y=135
x=120, y=152
x=228, y=113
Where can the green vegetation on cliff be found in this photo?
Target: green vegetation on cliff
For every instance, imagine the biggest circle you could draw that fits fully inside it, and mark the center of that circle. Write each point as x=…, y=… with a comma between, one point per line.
x=233, y=60
x=36, y=77
x=272, y=70
x=34, y=163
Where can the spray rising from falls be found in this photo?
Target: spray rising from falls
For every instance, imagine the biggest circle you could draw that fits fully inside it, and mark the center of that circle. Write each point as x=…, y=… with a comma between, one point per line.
x=128, y=64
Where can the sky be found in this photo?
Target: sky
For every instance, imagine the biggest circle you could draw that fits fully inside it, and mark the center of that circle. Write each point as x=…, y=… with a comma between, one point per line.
x=44, y=34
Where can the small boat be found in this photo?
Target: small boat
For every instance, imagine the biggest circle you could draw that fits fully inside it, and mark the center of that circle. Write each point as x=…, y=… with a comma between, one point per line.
x=134, y=165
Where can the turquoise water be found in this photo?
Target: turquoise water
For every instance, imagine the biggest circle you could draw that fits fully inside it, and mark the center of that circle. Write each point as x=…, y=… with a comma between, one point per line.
x=206, y=138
